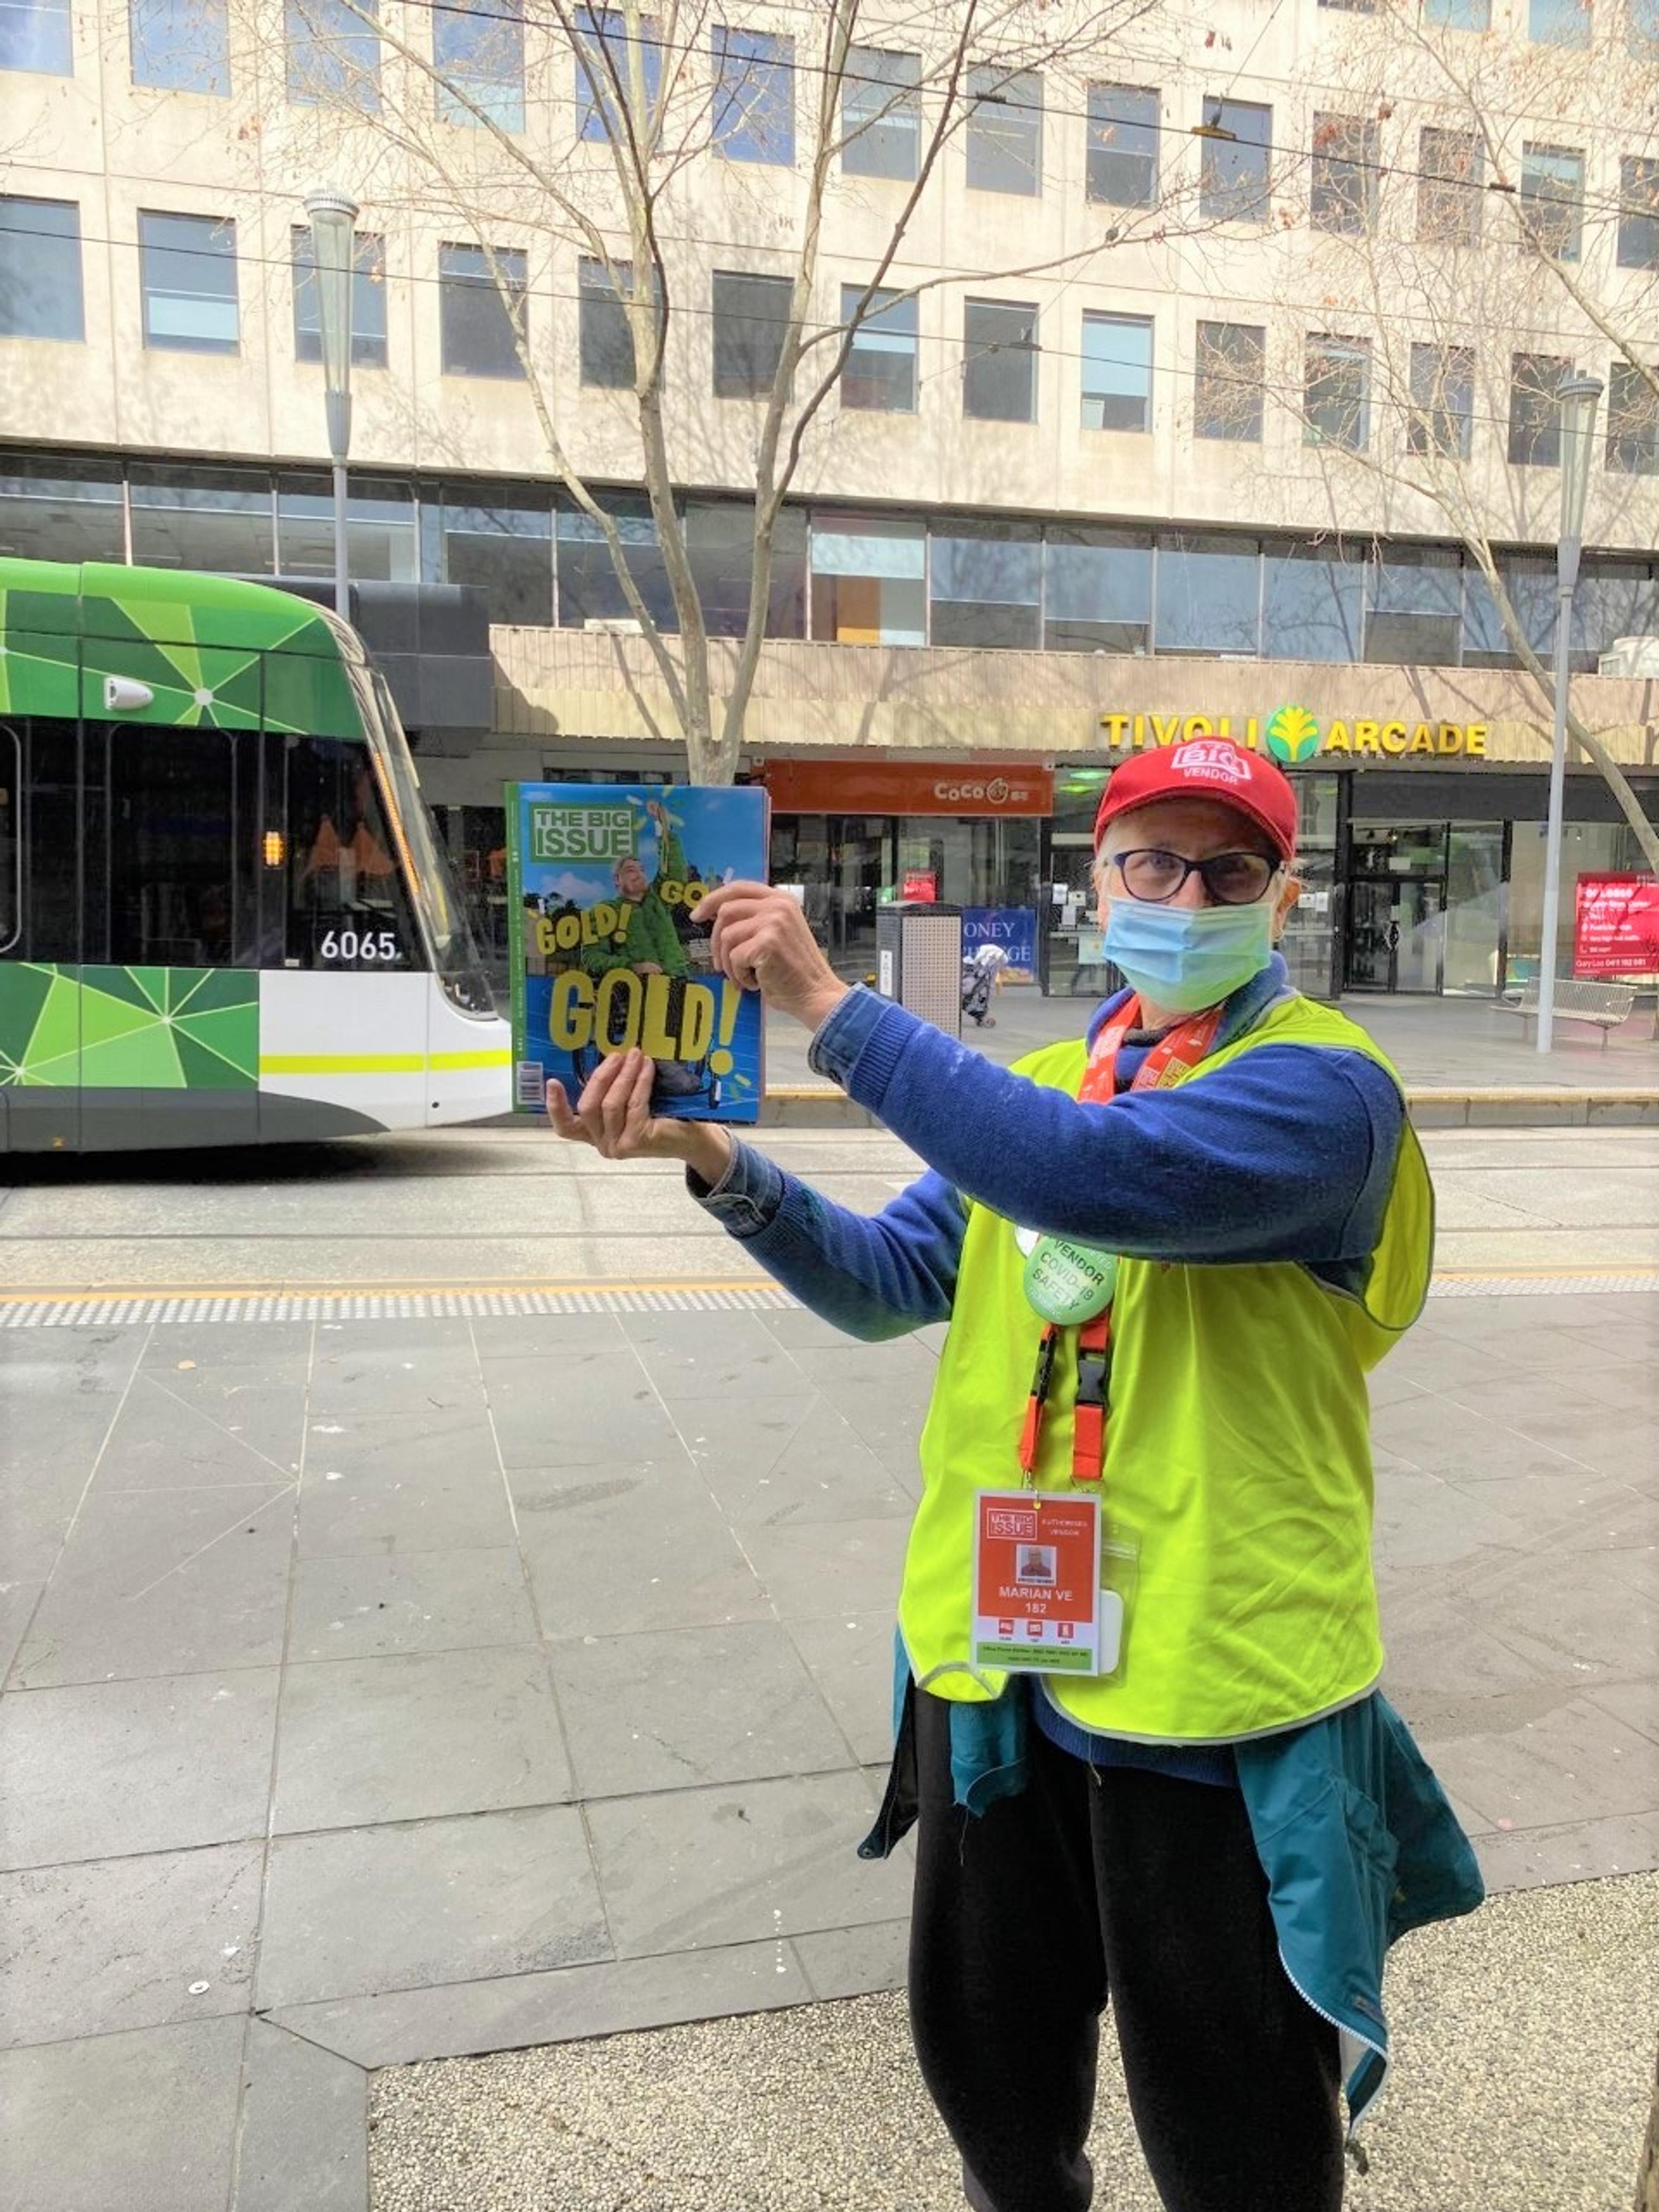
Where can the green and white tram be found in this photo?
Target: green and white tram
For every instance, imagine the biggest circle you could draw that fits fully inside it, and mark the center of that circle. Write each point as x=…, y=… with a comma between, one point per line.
x=224, y=916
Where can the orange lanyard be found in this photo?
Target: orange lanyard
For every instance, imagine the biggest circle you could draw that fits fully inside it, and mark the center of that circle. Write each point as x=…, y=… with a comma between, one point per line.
x=1176, y=1051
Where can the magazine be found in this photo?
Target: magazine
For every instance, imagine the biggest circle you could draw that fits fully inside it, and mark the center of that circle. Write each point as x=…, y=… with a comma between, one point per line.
x=603, y=883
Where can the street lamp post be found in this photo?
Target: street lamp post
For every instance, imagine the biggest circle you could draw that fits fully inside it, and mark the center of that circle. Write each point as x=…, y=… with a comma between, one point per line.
x=333, y=242
x=1578, y=396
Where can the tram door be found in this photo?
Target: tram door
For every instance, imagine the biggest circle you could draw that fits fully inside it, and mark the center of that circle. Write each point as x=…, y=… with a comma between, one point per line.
x=1396, y=933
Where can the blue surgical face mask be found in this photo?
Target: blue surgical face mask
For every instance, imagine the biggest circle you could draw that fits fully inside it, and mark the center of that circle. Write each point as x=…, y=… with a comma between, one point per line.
x=1187, y=958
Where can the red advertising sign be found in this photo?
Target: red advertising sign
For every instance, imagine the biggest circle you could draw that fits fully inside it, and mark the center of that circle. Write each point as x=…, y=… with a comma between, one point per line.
x=920, y=885
x=1616, y=929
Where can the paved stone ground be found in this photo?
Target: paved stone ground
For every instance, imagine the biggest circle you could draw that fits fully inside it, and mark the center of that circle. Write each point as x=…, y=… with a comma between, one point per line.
x=384, y=1690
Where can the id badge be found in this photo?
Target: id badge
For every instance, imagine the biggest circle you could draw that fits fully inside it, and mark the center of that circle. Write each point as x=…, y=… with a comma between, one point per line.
x=1038, y=1604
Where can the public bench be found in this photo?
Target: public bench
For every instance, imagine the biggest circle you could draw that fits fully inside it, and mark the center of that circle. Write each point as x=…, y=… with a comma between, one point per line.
x=1607, y=1005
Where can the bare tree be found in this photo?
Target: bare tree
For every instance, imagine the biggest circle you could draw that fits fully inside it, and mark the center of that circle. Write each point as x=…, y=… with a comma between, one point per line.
x=826, y=122
x=1457, y=271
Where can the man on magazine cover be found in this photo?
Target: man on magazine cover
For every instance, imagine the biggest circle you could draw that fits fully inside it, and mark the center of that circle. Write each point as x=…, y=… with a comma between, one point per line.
x=1138, y=1728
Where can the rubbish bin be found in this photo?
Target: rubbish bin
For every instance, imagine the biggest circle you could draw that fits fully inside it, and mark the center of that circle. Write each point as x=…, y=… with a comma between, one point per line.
x=919, y=962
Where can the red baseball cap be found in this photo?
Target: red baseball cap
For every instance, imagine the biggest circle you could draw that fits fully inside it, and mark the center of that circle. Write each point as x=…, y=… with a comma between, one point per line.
x=1206, y=768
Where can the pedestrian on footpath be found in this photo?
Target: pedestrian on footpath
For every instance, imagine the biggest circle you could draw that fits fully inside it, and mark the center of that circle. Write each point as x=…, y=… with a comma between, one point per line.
x=1138, y=1725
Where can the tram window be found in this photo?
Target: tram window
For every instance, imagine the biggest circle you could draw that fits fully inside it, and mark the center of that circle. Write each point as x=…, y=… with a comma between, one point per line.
x=11, y=858
x=51, y=813
x=347, y=904
x=181, y=882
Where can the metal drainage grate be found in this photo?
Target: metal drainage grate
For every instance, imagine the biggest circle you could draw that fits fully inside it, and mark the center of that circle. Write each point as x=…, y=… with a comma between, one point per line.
x=89, y=1309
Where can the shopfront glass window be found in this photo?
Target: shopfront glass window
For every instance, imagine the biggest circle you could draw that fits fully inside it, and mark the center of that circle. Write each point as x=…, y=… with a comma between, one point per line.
x=1476, y=899
x=218, y=518
x=986, y=585
x=590, y=589
x=869, y=580
x=506, y=551
x=719, y=537
x=1588, y=848
x=1309, y=942
x=1312, y=602
x=56, y=510
x=1412, y=607
x=381, y=540
x=1097, y=591
x=1209, y=592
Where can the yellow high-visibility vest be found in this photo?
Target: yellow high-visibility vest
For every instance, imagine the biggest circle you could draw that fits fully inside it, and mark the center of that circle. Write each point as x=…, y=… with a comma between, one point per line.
x=1236, y=1491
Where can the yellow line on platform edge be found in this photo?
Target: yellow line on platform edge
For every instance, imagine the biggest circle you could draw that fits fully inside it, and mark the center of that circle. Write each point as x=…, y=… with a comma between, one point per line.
x=242, y=1291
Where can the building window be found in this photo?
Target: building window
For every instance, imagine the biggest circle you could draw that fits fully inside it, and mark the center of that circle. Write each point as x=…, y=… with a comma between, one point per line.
x=1414, y=601
x=333, y=56
x=381, y=539
x=1209, y=594
x=1336, y=406
x=1233, y=177
x=880, y=371
x=187, y=265
x=1117, y=372
x=869, y=579
x=985, y=585
x=480, y=327
x=1227, y=388
x=1559, y=22
x=1639, y=211
x=40, y=269
x=180, y=45
x=504, y=546
x=590, y=589
x=477, y=50
x=754, y=114
x=1097, y=589
x=1122, y=157
x=1553, y=199
x=1458, y=15
x=720, y=546
x=1442, y=401
x=605, y=336
x=605, y=70
x=1449, y=187
x=61, y=510
x=214, y=518
x=1000, y=362
x=1642, y=28
x=881, y=114
x=367, y=300
x=1632, y=421
x=1312, y=604
x=751, y=322
x=35, y=34
x=1005, y=131
x=1342, y=192
x=1535, y=408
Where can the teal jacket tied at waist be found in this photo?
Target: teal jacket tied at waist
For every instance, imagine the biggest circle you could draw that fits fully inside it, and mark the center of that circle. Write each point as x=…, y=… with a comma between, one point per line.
x=1355, y=1836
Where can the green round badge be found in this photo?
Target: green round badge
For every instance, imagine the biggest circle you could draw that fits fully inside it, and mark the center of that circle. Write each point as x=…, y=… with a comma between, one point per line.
x=1069, y=1283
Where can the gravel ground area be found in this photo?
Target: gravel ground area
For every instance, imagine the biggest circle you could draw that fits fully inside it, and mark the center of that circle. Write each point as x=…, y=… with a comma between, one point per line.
x=1523, y=2047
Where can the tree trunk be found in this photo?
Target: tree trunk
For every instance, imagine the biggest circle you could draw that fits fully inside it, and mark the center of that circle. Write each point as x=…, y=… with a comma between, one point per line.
x=1647, y=2181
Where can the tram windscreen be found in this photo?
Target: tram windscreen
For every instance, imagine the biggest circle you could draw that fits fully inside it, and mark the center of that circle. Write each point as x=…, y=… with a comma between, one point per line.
x=454, y=952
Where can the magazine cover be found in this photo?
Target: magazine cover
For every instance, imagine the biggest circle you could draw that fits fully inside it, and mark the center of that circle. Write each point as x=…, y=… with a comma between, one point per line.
x=605, y=880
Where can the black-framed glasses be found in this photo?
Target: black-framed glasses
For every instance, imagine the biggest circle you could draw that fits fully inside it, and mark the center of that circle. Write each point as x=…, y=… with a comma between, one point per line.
x=1155, y=876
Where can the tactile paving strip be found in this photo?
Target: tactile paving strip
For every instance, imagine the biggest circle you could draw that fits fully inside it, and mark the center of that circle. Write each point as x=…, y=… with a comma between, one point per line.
x=91, y=1309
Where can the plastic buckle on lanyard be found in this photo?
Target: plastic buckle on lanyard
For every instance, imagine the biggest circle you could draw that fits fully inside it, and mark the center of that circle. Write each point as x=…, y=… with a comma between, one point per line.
x=1094, y=1368
x=1042, y=1375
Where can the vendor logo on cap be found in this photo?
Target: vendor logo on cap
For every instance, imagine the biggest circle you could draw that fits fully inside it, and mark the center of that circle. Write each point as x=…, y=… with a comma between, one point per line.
x=1210, y=757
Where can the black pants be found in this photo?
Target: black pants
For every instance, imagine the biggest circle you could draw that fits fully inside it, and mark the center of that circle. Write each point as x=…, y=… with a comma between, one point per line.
x=1127, y=1883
